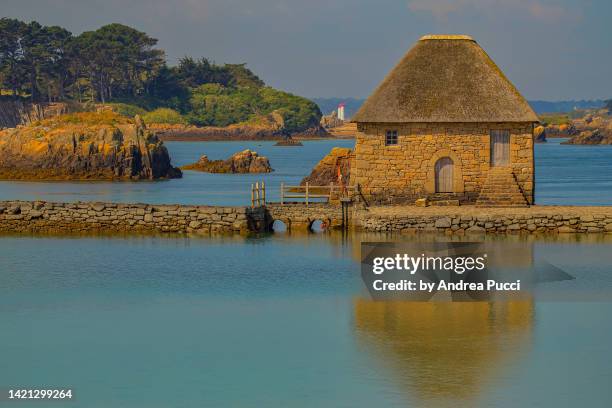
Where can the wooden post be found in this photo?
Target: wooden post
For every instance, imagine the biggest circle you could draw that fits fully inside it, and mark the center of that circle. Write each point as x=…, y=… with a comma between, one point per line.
x=306, y=194
x=252, y=195
x=257, y=192
x=263, y=191
x=345, y=212
x=282, y=193
x=331, y=191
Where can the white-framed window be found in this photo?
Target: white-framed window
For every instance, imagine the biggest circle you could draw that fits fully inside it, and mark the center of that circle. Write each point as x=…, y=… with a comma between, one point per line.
x=390, y=137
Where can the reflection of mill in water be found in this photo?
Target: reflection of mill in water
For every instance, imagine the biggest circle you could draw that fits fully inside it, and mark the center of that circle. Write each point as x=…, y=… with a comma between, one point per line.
x=444, y=352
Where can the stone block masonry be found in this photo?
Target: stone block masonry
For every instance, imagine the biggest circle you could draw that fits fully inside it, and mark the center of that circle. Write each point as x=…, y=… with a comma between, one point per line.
x=404, y=172
x=470, y=219
x=45, y=217
x=300, y=216
x=26, y=216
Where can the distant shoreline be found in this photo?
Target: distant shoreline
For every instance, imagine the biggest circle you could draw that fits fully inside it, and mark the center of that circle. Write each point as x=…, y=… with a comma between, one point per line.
x=219, y=138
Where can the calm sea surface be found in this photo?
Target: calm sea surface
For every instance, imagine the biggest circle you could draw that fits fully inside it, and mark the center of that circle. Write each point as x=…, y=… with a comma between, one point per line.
x=284, y=321
x=579, y=175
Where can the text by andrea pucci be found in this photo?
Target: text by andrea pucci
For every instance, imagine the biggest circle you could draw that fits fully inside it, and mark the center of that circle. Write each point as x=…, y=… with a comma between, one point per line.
x=442, y=270
x=458, y=265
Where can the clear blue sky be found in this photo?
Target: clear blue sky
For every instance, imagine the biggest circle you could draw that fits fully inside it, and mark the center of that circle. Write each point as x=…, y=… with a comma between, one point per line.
x=550, y=49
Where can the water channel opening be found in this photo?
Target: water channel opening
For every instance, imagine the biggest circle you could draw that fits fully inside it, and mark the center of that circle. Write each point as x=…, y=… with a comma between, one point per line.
x=319, y=226
x=279, y=226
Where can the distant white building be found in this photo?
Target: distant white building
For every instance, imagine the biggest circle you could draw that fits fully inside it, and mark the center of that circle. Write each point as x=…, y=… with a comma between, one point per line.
x=341, y=111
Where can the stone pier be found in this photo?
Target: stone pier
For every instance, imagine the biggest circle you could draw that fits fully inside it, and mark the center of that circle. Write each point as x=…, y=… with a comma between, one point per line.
x=471, y=219
x=39, y=216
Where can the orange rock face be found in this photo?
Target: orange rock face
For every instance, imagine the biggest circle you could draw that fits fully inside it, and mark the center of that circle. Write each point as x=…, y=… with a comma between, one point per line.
x=246, y=161
x=84, y=146
x=326, y=170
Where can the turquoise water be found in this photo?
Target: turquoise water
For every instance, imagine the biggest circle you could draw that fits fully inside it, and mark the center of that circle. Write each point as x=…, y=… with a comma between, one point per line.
x=580, y=175
x=291, y=164
x=573, y=174
x=284, y=321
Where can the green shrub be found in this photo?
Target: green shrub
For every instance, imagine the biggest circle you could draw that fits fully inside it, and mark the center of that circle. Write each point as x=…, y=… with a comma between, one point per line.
x=554, y=118
x=164, y=115
x=216, y=105
x=126, y=109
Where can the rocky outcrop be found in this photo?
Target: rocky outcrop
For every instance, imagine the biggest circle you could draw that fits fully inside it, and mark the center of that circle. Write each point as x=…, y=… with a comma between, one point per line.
x=331, y=121
x=315, y=132
x=267, y=127
x=289, y=141
x=246, y=161
x=345, y=131
x=563, y=130
x=337, y=127
x=591, y=137
x=326, y=170
x=592, y=130
x=539, y=134
x=15, y=112
x=84, y=146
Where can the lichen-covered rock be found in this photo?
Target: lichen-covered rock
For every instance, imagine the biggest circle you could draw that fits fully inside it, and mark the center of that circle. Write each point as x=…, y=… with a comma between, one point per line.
x=84, y=146
x=16, y=112
x=421, y=202
x=331, y=120
x=326, y=171
x=563, y=130
x=592, y=130
x=265, y=127
x=539, y=134
x=591, y=137
x=288, y=141
x=246, y=161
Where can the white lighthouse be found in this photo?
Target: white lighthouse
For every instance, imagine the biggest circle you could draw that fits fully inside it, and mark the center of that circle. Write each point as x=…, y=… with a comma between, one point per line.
x=341, y=111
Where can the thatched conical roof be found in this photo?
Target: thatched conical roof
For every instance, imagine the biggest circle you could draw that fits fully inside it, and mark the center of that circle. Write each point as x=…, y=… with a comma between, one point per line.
x=445, y=78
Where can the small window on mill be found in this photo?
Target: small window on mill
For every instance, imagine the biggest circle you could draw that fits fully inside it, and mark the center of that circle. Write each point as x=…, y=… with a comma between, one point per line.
x=391, y=137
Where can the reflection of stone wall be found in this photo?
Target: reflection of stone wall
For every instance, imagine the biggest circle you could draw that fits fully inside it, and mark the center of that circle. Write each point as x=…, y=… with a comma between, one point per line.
x=404, y=172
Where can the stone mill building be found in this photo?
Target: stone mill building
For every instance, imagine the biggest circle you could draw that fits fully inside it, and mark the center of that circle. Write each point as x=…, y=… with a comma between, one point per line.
x=447, y=125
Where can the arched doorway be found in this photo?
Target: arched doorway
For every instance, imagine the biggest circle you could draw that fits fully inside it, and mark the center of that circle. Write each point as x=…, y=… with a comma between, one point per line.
x=444, y=175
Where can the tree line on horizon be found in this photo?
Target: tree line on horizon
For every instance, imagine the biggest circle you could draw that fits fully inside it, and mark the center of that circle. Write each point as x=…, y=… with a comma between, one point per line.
x=117, y=63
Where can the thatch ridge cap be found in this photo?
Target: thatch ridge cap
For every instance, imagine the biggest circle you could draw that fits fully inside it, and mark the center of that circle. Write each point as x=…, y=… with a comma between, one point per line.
x=446, y=37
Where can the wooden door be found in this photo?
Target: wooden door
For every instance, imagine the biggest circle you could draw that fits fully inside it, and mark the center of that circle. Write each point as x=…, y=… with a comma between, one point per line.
x=500, y=147
x=444, y=175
